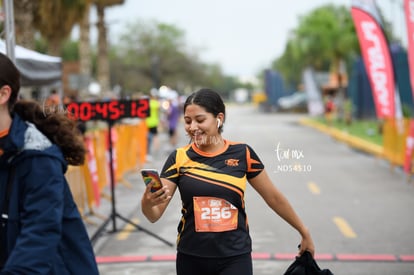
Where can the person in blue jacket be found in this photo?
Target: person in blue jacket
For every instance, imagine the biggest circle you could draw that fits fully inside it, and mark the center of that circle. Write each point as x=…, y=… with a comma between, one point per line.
x=41, y=230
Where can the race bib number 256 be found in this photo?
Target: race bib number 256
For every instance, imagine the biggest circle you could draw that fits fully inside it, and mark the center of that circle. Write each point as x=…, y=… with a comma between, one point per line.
x=214, y=215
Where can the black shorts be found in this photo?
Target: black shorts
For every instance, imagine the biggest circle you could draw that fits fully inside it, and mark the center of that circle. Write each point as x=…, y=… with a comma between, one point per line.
x=171, y=132
x=192, y=265
x=153, y=130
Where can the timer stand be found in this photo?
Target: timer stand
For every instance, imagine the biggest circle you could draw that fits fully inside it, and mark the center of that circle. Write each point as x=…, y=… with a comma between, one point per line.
x=114, y=214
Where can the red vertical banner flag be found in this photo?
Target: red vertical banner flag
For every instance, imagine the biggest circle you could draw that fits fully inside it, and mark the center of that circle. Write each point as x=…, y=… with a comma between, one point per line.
x=376, y=56
x=409, y=18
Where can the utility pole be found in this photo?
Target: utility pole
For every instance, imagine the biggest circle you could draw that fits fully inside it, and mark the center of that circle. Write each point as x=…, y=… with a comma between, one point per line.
x=9, y=28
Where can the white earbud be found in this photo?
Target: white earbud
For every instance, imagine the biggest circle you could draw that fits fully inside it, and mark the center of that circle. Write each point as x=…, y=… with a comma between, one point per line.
x=218, y=123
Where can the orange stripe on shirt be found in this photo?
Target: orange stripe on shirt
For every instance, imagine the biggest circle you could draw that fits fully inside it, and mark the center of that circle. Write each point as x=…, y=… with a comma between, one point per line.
x=4, y=133
x=250, y=162
x=219, y=184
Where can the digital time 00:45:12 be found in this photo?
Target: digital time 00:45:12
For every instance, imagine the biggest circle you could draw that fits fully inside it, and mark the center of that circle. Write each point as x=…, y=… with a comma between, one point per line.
x=108, y=110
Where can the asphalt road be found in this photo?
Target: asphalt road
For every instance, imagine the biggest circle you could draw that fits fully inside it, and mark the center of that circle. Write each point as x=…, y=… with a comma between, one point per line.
x=359, y=210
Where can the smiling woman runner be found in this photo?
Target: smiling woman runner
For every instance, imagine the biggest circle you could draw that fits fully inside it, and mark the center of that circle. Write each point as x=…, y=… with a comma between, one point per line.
x=211, y=175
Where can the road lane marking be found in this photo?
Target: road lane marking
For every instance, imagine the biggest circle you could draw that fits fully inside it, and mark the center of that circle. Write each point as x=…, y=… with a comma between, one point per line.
x=367, y=257
x=344, y=227
x=314, y=188
x=126, y=231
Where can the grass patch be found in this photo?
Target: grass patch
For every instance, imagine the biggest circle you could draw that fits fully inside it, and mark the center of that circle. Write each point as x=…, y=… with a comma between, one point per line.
x=365, y=129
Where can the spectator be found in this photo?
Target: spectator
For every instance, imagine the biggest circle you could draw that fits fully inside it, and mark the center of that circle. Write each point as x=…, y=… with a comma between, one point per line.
x=41, y=229
x=329, y=109
x=173, y=117
x=152, y=123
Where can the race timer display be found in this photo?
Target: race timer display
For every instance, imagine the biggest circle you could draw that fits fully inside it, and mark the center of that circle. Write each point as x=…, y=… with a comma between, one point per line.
x=108, y=110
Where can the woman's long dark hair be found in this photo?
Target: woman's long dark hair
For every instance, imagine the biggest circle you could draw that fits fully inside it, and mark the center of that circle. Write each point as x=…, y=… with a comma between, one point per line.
x=57, y=127
x=53, y=122
x=10, y=76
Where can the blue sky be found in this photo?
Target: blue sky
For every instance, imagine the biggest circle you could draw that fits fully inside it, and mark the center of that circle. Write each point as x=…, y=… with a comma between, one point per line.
x=243, y=36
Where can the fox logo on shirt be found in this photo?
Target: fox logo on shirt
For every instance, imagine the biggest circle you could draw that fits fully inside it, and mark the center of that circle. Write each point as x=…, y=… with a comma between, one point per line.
x=232, y=162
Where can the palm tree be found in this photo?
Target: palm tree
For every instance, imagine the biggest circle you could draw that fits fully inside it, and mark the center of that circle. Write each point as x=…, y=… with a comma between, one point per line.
x=56, y=19
x=84, y=46
x=103, y=63
x=23, y=22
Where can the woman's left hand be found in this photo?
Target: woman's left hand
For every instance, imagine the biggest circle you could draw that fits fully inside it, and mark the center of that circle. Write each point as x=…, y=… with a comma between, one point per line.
x=307, y=244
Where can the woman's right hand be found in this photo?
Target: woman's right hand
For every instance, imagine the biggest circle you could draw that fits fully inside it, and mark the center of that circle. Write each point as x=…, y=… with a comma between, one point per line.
x=153, y=204
x=160, y=196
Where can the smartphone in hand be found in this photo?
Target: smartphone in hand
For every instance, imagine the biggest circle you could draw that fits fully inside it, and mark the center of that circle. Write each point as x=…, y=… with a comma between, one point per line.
x=149, y=175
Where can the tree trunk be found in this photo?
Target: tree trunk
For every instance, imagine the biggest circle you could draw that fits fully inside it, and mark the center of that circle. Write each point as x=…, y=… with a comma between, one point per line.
x=103, y=63
x=23, y=18
x=55, y=47
x=84, y=53
x=340, y=95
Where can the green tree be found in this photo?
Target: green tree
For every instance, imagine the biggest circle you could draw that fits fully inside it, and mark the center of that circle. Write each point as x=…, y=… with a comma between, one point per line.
x=55, y=20
x=70, y=50
x=290, y=64
x=150, y=53
x=324, y=39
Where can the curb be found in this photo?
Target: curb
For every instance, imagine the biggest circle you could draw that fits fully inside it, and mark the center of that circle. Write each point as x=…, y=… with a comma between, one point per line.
x=353, y=141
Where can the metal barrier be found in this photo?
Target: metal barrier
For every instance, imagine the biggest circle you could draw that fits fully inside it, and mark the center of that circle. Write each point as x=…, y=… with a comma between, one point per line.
x=87, y=182
x=395, y=133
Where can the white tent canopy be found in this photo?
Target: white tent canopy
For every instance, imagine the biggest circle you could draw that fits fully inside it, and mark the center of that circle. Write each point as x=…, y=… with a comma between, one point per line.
x=36, y=69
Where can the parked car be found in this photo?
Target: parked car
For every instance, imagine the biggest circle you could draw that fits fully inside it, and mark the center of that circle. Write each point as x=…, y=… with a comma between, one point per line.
x=294, y=102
